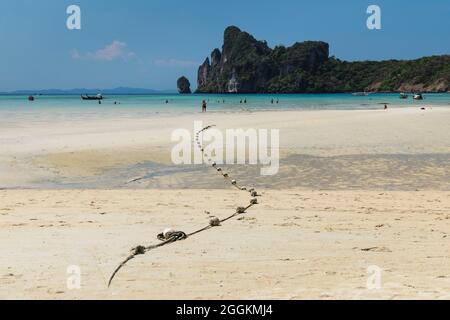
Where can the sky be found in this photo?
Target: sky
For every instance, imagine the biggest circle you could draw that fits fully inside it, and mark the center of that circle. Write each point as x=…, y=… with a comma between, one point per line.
x=150, y=43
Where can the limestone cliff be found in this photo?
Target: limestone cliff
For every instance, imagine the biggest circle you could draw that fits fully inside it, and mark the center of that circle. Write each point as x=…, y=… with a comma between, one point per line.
x=246, y=65
x=183, y=85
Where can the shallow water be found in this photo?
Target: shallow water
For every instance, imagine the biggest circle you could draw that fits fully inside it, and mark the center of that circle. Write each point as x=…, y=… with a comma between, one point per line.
x=156, y=104
x=401, y=172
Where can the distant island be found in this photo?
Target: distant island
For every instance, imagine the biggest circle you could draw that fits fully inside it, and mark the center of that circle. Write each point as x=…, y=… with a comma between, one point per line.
x=246, y=65
x=80, y=91
x=183, y=85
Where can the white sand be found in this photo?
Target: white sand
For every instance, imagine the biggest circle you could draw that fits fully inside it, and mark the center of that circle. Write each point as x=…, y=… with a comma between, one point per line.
x=297, y=244
x=294, y=245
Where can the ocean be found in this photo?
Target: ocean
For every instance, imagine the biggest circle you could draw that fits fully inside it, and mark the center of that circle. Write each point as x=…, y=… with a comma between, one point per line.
x=156, y=104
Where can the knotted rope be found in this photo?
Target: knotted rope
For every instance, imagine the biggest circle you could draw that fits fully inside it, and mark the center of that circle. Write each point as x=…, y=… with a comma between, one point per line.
x=174, y=236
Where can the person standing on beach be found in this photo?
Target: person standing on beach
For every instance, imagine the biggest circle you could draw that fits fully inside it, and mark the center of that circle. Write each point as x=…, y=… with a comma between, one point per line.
x=203, y=106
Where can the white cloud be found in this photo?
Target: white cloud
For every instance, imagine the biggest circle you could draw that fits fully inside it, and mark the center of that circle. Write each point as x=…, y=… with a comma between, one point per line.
x=115, y=50
x=175, y=63
x=111, y=52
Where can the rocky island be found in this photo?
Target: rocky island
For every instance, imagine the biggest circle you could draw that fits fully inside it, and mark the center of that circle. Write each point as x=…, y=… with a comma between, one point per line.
x=183, y=85
x=246, y=65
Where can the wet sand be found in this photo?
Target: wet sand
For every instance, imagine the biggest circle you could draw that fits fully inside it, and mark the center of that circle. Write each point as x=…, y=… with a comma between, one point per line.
x=407, y=146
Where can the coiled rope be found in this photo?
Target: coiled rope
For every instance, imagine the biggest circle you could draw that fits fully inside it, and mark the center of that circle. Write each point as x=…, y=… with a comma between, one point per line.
x=171, y=236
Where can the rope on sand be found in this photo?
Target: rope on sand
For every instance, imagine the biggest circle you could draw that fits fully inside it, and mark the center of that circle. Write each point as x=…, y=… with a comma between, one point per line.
x=171, y=236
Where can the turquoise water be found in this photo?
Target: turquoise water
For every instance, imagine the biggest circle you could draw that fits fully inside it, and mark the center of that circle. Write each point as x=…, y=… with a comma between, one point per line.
x=228, y=103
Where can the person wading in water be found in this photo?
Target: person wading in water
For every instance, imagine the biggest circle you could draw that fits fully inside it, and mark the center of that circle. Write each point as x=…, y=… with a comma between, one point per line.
x=203, y=106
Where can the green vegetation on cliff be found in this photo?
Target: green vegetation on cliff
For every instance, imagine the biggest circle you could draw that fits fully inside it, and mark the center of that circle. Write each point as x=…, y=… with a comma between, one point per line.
x=250, y=66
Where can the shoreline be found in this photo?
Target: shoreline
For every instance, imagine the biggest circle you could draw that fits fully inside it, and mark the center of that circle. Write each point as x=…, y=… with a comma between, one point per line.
x=46, y=150
x=94, y=91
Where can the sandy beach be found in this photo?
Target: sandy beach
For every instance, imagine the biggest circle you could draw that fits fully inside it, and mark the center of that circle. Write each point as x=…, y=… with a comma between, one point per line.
x=295, y=245
x=356, y=188
x=409, y=146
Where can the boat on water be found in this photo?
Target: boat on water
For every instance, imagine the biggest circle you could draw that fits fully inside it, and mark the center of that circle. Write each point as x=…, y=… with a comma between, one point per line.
x=360, y=93
x=403, y=95
x=418, y=96
x=97, y=97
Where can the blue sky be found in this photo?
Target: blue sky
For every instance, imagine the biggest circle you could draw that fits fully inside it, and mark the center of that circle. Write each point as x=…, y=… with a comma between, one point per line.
x=149, y=43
